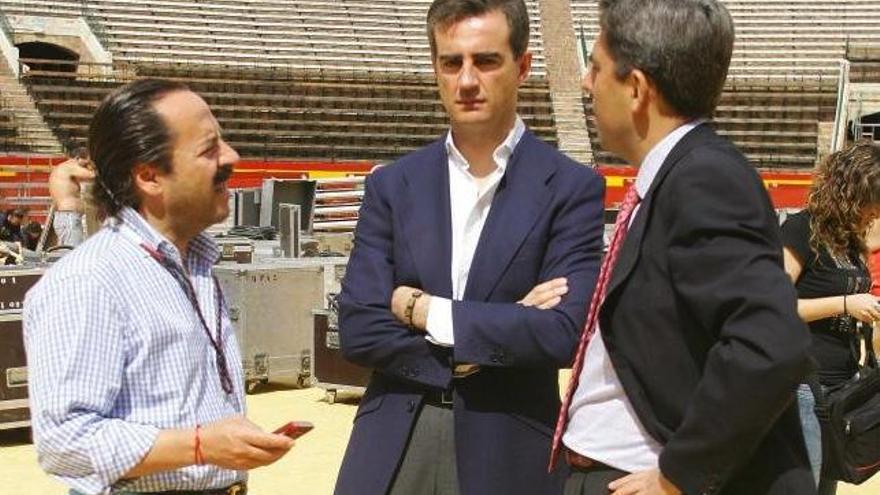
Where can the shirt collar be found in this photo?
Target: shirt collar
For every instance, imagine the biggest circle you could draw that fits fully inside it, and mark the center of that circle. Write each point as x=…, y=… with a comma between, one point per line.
x=657, y=156
x=202, y=247
x=502, y=153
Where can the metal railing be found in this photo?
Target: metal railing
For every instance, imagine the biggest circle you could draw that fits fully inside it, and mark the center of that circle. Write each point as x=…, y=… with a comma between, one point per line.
x=582, y=48
x=840, y=113
x=862, y=130
x=237, y=71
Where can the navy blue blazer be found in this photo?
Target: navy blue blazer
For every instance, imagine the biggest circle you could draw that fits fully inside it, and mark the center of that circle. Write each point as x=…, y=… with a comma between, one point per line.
x=546, y=221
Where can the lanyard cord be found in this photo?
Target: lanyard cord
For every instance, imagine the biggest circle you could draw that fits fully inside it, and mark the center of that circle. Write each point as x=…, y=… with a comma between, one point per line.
x=183, y=280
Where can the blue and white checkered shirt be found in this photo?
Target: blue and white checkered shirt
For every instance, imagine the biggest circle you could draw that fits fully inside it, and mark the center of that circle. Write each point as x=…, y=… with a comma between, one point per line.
x=116, y=353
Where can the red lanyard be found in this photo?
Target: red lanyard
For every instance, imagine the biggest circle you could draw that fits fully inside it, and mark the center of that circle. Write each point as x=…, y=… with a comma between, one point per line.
x=182, y=278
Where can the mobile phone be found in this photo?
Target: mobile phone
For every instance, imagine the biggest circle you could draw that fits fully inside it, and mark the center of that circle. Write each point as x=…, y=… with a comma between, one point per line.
x=295, y=429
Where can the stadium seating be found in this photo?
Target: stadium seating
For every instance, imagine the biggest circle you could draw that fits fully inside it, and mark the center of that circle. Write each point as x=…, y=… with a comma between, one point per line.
x=864, y=62
x=294, y=115
x=358, y=35
x=351, y=79
x=781, y=37
x=311, y=79
x=10, y=137
x=784, y=72
x=7, y=128
x=774, y=128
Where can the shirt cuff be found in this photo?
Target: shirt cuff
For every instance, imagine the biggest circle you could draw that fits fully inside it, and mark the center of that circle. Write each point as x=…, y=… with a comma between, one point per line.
x=439, y=322
x=119, y=446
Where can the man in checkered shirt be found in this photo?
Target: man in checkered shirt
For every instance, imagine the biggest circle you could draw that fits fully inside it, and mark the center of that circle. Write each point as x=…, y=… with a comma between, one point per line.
x=135, y=375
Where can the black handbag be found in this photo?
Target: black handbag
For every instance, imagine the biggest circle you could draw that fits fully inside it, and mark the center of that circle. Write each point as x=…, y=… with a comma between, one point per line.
x=849, y=416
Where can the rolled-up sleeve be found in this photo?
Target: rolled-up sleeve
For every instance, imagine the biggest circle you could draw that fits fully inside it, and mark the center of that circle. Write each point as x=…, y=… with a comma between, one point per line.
x=76, y=343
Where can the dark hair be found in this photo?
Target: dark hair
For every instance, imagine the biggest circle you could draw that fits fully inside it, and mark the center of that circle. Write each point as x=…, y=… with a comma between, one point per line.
x=443, y=13
x=126, y=131
x=683, y=46
x=33, y=228
x=844, y=184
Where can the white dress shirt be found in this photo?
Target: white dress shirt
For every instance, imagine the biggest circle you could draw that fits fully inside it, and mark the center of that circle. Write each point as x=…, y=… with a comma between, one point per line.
x=470, y=200
x=602, y=423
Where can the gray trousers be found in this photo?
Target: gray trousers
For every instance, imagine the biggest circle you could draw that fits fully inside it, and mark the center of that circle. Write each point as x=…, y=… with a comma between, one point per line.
x=592, y=481
x=428, y=466
x=68, y=227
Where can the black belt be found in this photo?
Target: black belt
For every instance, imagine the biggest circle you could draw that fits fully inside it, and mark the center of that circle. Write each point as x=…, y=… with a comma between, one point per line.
x=440, y=398
x=239, y=488
x=584, y=464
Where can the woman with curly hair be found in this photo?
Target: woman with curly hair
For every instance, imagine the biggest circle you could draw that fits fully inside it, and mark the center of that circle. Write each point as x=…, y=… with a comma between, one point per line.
x=824, y=253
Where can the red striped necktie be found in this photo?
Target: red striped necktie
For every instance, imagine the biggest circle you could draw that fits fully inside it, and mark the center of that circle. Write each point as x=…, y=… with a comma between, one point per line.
x=620, y=227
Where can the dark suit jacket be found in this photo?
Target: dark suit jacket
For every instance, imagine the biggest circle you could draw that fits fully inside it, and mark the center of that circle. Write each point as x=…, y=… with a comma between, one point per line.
x=701, y=325
x=545, y=222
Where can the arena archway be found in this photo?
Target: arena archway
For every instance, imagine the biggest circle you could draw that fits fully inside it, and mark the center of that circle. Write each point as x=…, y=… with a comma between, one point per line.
x=48, y=51
x=870, y=126
x=866, y=127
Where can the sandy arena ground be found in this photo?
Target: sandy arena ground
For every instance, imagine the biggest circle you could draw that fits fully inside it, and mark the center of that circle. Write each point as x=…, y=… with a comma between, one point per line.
x=310, y=469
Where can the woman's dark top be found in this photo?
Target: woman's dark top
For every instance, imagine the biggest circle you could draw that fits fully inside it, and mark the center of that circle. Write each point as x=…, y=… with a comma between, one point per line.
x=824, y=275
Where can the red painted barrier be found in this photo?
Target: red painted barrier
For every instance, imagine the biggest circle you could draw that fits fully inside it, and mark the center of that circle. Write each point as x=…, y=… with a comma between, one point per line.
x=787, y=189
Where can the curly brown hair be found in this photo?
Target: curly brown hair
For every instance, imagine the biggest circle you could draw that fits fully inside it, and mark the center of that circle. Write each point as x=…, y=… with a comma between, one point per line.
x=844, y=185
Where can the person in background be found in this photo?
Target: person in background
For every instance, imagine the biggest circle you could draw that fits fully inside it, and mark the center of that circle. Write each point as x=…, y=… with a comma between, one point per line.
x=136, y=384
x=31, y=235
x=10, y=230
x=872, y=243
x=65, y=188
x=825, y=255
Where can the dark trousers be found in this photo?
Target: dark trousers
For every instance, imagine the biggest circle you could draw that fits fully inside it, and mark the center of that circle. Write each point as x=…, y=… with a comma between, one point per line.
x=428, y=466
x=592, y=481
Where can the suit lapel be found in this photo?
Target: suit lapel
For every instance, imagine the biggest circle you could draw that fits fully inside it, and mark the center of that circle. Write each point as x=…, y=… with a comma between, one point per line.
x=426, y=219
x=629, y=252
x=519, y=200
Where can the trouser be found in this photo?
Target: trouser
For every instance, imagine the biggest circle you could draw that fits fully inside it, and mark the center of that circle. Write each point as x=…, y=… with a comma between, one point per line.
x=813, y=438
x=68, y=227
x=593, y=480
x=428, y=466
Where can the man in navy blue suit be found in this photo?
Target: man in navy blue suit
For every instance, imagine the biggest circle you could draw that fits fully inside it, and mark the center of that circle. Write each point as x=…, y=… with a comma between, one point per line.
x=466, y=290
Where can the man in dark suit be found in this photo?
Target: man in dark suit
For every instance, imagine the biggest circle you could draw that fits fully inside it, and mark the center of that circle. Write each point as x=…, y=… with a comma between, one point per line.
x=465, y=290
x=688, y=385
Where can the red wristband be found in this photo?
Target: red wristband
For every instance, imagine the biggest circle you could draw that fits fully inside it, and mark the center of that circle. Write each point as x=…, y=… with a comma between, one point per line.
x=199, y=458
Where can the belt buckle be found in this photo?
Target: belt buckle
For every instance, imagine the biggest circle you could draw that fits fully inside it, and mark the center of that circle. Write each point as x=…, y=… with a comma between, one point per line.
x=236, y=489
x=577, y=460
x=446, y=397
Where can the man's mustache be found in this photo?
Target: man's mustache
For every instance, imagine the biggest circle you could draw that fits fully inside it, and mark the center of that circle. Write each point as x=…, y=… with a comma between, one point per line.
x=224, y=172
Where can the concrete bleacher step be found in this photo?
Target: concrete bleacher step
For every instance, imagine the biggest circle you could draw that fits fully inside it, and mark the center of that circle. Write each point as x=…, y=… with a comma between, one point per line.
x=783, y=46
x=571, y=129
x=781, y=37
x=269, y=35
x=32, y=132
x=302, y=115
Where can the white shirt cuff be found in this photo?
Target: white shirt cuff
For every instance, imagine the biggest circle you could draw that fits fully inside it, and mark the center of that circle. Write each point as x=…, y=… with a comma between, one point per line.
x=439, y=322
